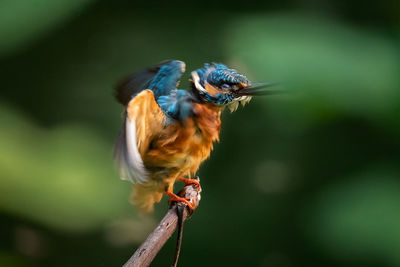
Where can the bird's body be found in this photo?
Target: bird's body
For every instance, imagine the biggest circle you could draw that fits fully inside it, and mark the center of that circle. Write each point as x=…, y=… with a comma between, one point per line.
x=169, y=151
x=168, y=132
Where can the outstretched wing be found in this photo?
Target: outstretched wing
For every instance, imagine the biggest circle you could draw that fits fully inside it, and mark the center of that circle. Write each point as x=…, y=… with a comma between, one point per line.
x=144, y=118
x=137, y=82
x=143, y=122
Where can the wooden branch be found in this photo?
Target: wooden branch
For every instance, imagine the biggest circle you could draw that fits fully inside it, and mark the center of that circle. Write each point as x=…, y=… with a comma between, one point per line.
x=145, y=254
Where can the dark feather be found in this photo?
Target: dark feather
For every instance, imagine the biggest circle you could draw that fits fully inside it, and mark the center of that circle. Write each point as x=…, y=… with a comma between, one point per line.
x=136, y=82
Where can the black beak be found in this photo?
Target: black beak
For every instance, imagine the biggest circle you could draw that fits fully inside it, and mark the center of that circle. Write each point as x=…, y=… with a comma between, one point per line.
x=256, y=89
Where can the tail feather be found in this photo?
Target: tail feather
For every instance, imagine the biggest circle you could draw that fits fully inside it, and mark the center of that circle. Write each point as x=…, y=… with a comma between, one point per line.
x=145, y=195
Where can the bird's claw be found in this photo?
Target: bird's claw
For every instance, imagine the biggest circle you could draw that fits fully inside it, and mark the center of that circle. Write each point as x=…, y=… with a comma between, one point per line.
x=190, y=181
x=175, y=198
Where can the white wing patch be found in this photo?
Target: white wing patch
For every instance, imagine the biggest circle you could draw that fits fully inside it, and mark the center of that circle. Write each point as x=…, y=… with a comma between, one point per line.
x=127, y=155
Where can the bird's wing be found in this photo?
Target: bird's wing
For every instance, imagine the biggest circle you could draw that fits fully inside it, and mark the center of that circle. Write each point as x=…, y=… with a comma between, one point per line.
x=137, y=82
x=167, y=78
x=144, y=118
x=143, y=122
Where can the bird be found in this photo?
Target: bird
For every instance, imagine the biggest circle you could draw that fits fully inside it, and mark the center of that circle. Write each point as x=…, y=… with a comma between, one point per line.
x=168, y=132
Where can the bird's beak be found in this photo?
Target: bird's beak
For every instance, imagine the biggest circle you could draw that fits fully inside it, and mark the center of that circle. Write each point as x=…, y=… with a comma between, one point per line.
x=256, y=89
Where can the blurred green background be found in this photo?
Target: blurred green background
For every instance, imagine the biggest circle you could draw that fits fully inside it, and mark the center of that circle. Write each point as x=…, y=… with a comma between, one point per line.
x=309, y=178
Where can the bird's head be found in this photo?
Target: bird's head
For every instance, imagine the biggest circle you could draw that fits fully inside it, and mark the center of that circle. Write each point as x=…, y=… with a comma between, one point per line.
x=216, y=83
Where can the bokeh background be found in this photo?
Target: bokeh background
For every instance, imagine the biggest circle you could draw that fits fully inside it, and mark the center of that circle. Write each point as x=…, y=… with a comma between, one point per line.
x=309, y=178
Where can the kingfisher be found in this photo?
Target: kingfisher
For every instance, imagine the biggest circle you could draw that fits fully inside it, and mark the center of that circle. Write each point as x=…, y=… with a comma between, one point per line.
x=168, y=132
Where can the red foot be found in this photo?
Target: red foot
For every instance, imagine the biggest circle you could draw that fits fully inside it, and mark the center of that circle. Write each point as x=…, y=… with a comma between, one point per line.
x=190, y=181
x=179, y=199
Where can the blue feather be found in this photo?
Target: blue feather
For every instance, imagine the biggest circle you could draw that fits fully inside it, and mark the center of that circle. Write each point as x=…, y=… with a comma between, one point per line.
x=177, y=105
x=167, y=78
x=217, y=75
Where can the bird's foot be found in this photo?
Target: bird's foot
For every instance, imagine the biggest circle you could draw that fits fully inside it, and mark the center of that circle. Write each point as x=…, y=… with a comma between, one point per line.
x=190, y=181
x=177, y=198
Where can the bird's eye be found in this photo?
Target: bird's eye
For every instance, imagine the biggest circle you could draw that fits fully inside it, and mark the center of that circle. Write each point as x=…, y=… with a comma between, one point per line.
x=225, y=86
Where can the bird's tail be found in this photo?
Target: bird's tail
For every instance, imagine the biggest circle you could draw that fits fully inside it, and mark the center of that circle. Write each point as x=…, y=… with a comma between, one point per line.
x=145, y=195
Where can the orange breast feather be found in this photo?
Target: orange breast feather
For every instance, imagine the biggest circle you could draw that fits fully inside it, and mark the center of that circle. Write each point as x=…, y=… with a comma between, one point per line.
x=183, y=146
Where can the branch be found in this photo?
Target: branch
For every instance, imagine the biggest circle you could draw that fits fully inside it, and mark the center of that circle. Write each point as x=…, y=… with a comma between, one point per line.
x=145, y=254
